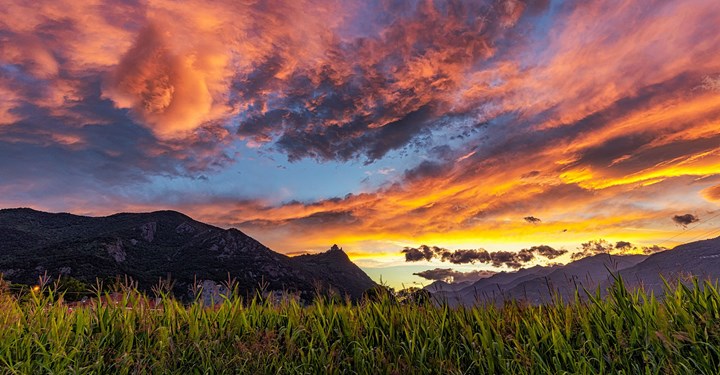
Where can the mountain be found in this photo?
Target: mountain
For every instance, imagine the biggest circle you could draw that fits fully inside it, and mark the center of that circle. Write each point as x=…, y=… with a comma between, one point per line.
x=505, y=280
x=336, y=269
x=444, y=286
x=539, y=284
x=587, y=273
x=162, y=244
x=699, y=259
x=491, y=288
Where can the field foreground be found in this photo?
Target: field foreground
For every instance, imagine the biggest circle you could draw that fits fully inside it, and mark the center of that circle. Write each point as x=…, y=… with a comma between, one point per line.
x=623, y=333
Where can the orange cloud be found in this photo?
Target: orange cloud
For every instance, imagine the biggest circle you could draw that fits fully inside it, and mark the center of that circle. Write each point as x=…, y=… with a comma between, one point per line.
x=712, y=193
x=10, y=101
x=168, y=89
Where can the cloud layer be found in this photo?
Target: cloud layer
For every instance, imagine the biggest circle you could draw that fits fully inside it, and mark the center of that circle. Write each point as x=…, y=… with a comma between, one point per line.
x=454, y=122
x=496, y=258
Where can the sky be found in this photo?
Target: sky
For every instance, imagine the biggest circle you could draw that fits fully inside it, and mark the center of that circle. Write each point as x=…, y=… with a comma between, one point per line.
x=432, y=140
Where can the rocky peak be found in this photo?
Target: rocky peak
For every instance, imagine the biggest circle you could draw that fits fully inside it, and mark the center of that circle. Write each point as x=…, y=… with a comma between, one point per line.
x=338, y=270
x=335, y=254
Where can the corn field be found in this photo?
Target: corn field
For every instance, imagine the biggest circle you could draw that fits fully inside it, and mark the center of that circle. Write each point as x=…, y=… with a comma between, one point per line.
x=622, y=333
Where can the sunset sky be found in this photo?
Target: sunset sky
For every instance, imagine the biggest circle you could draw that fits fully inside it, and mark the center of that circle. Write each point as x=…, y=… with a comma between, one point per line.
x=377, y=125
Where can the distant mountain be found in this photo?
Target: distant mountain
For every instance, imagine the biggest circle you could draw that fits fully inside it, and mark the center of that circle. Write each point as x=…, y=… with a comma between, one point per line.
x=699, y=259
x=163, y=244
x=492, y=288
x=539, y=284
x=587, y=273
x=443, y=286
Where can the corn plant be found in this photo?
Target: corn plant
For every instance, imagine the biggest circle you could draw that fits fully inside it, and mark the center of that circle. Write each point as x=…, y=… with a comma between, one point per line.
x=622, y=332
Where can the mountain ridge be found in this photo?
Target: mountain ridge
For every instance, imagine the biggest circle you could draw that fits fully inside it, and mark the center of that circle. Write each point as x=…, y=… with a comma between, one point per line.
x=160, y=244
x=537, y=285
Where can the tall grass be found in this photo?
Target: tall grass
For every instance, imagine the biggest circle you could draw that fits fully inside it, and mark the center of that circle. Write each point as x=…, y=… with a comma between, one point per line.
x=623, y=333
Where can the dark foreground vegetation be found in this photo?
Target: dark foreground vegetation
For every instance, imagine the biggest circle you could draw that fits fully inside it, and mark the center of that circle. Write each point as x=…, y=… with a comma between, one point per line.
x=625, y=332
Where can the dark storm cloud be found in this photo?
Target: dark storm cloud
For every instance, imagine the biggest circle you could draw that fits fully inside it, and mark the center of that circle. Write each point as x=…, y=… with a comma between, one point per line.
x=685, y=219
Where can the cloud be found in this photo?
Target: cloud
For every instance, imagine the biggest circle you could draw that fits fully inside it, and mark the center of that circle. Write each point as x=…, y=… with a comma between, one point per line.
x=420, y=253
x=32, y=53
x=653, y=249
x=530, y=174
x=593, y=247
x=470, y=256
x=685, y=219
x=507, y=258
x=711, y=83
x=601, y=246
x=712, y=193
x=532, y=219
x=424, y=252
x=381, y=90
x=452, y=276
x=466, y=256
x=547, y=251
x=167, y=89
x=623, y=245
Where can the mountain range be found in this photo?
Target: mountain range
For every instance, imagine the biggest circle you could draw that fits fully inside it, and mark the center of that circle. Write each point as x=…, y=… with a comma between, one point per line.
x=148, y=247
x=168, y=245
x=539, y=284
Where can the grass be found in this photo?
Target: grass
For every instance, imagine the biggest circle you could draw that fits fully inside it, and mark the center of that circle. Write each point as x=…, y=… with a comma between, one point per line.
x=624, y=333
